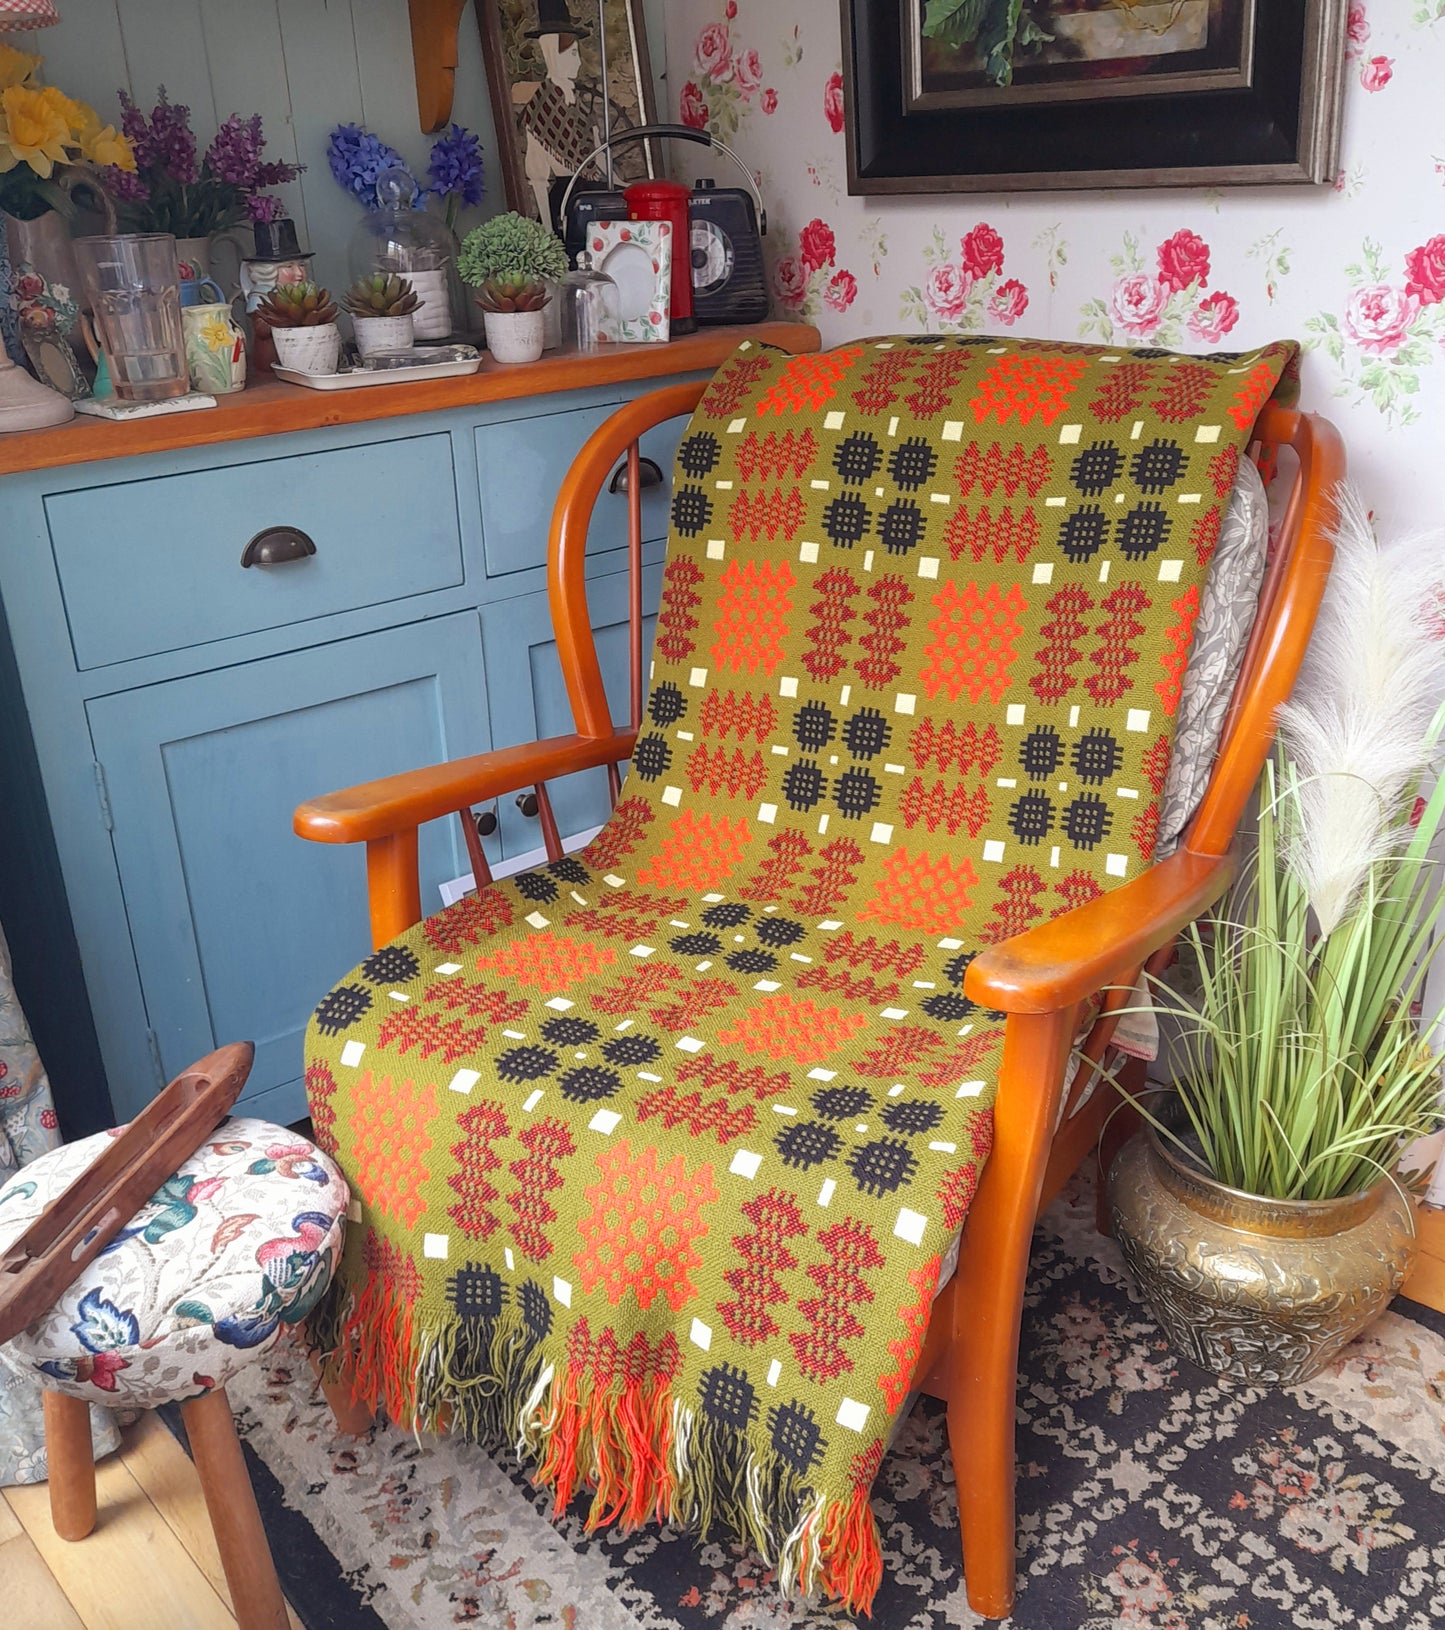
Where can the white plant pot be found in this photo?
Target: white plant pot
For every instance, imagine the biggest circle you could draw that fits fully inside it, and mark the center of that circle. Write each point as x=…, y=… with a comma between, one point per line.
x=377, y=334
x=432, y=318
x=314, y=350
x=514, y=336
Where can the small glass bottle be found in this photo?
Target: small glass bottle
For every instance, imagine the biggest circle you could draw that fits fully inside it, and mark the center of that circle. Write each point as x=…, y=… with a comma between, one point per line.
x=590, y=307
x=397, y=236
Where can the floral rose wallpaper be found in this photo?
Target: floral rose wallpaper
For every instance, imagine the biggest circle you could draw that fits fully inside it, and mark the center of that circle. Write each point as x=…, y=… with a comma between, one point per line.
x=1356, y=271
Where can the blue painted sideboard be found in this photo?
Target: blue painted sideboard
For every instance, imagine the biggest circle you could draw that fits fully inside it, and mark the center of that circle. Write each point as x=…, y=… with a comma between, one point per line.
x=179, y=706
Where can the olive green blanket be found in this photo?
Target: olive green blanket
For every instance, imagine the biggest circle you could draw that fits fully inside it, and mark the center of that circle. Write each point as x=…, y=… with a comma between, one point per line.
x=658, y=1149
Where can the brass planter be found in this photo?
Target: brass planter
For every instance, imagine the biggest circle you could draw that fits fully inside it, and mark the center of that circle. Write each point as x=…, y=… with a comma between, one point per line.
x=1268, y=1291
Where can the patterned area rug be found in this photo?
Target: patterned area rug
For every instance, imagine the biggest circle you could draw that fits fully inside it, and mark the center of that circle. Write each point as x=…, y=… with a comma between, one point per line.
x=1150, y=1496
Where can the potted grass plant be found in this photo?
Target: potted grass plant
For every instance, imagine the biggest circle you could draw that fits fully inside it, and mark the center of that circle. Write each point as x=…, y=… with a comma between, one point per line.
x=1264, y=1211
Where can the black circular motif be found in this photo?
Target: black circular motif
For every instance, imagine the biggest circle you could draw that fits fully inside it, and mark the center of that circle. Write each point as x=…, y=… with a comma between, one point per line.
x=1040, y=752
x=1157, y=466
x=751, y=961
x=475, y=1293
x=856, y=793
x=846, y=520
x=666, y=705
x=391, y=965
x=526, y=1063
x=630, y=1052
x=691, y=510
x=912, y=463
x=795, y=1436
x=536, y=1310
x=1097, y=468
x=1031, y=818
x=651, y=756
x=563, y=1031
x=913, y=1117
x=695, y=944
x=1083, y=534
x=1096, y=756
x=814, y=726
x=842, y=1103
x=803, y=784
x=856, y=458
x=699, y=453
x=1143, y=530
x=1087, y=821
x=727, y=1397
x=947, y=1006
x=341, y=1008
x=866, y=734
x=882, y=1166
x=589, y=1082
x=807, y=1144
x=726, y=914
x=536, y=886
x=779, y=931
x=900, y=527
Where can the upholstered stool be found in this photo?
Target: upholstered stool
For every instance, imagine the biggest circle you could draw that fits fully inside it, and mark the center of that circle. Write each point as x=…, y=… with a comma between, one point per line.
x=237, y=1245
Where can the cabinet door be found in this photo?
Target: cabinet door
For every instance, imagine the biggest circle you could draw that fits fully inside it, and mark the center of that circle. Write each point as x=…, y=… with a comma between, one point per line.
x=239, y=926
x=529, y=699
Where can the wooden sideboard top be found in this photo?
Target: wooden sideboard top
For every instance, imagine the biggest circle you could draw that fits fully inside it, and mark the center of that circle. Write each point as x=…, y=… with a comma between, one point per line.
x=272, y=408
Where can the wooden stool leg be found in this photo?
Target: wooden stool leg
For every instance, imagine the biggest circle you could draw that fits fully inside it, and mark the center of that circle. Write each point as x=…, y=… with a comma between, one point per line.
x=256, y=1598
x=72, y=1464
x=352, y=1416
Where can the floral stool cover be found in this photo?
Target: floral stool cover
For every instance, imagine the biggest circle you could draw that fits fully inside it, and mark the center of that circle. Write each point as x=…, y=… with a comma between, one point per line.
x=238, y=1244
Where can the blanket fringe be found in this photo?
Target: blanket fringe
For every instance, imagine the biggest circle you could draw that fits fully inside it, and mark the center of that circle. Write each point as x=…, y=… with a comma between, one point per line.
x=644, y=1454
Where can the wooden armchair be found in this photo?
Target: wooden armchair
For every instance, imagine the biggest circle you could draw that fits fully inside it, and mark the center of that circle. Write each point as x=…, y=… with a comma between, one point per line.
x=1042, y=979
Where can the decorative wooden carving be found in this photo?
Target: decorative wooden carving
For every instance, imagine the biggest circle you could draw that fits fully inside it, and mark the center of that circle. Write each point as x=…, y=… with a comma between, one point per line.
x=434, y=26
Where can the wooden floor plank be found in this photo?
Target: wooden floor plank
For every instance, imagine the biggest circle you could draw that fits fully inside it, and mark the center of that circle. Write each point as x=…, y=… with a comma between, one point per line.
x=9, y=1524
x=132, y=1573
x=31, y=1595
x=1427, y=1282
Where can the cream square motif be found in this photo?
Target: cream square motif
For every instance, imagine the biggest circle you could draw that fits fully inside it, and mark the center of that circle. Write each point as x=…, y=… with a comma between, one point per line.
x=1044, y=572
x=853, y=1415
x=1015, y=713
x=537, y=920
x=1207, y=433
x=970, y=1089
x=775, y=1370
x=352, y=1052
x=825, y=1194
x=905, y=702
x=882, y=832
x=700, y=1335
x=737, y=426
x=788, y=685
x=807, y=553
x=1138, y=720
x=834, y=420
x=449, y=967
x=561, y=1291
x=993, y=849
x=560, y=1004
x=1116, y=865
x=953, y=430
x=464, y=1080
x=1169, y=570
x=767, y=813
x=745, y=1163
x=928, y=566
x=532, y=1099
x=716, y=548
x=1069, y=434
x=436, y=1246
x=605, y=1121
x=697, y=677
x=910, y=1226
x=688, y=1044
x=672, y=796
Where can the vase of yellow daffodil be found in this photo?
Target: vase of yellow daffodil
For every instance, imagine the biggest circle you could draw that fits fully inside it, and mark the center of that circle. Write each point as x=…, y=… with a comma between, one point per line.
x=50, y=147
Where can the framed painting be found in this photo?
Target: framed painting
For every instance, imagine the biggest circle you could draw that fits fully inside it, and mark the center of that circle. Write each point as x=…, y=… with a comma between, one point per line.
x=1037, y=95
x=563, y=76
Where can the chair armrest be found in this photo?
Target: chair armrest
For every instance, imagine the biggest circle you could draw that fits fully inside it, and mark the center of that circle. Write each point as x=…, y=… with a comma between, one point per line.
x=1067, y=959
x=398, y=803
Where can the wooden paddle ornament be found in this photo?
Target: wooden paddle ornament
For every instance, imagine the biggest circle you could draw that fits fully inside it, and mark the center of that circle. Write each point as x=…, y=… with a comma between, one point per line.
x=78, y=1224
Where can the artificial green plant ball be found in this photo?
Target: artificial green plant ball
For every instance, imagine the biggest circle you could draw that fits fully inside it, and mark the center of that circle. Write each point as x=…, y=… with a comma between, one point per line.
x=510, y=245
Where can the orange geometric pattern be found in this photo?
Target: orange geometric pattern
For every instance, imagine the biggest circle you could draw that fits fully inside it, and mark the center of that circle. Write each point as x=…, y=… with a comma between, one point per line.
x=390, y=1143
x=548, y=961
x=973, y=641
x=753, y=607
x=1186, y=610
x=806, y=382
x=930, y=895
x=1027, y=387
x=785, y=1027
x=698, y=852
x=644, y=1220
x=762, y=514
x=905, y=1348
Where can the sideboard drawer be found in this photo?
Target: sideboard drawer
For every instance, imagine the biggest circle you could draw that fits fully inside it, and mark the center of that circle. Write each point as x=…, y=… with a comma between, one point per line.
x=383, y=519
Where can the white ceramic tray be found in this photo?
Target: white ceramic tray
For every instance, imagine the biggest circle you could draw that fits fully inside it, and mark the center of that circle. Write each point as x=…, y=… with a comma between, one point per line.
x=350, y=379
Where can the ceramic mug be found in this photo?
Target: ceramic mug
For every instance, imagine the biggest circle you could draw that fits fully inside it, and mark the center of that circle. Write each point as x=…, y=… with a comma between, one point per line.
x=199, y=291
x=215, y=348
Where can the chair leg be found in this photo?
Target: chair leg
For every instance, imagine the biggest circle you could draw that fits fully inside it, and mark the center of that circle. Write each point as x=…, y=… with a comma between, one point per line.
x=256, y=1598
x=72, y=1464
x=353, y=1417
x=1123, y=1122
x=988, y=1304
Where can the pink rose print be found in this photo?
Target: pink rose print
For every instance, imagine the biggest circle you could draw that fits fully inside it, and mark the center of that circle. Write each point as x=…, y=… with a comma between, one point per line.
x=713, y=53
x=1214, y=317
x=816, y=245
x=982, y=251
x=730, y=10
x=833, y=102
x=842, y=290
x=748, y=72
x=1183, y=259
x=1377, y=73
x=768, y=101
x=1008, y=302
x=1357, y=27
x=30, y=286
x=1378, y=317
x=790, y=280
x=945, y=292
x=1425, y=271
x=1136, y=303
x=693, y=107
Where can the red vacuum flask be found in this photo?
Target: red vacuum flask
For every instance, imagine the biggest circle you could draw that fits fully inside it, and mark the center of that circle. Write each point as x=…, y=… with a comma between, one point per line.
x=664, y=200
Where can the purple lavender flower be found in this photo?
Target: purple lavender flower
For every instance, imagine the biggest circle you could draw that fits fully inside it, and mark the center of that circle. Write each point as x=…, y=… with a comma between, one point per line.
x=234, y=155
x=456, y=168
x=264, y=207
x=357, y=158
x=165, y=141
x=125, y=186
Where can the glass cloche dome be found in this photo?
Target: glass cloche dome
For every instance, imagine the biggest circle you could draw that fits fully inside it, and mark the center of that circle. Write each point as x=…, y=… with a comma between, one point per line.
x=399, y=236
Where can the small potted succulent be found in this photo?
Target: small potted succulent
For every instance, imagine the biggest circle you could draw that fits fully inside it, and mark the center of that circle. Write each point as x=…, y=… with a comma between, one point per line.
x=302, y=322
x=513, y=315
x=381, y=306
x=511, y=260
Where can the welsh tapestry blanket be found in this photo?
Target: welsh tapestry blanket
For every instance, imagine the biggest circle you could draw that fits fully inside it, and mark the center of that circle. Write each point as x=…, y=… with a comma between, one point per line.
x=659, y=1148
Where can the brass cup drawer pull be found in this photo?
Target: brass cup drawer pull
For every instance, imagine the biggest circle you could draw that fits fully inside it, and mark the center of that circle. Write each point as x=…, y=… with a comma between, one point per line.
x=276, y=546
x=649, y=474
